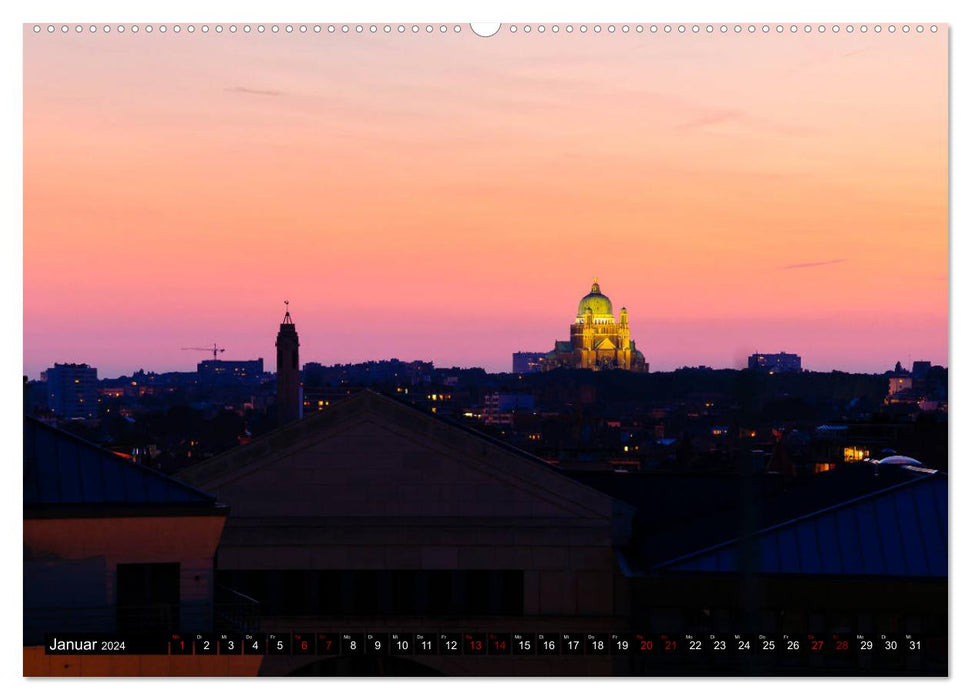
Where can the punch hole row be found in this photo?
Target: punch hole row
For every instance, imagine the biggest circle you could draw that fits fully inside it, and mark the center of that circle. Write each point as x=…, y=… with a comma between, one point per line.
x=712, y=29
x=251, y=28
x=456, y=29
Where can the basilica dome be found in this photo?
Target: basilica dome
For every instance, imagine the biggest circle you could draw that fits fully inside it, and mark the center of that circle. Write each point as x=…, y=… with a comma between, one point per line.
x=596, y=302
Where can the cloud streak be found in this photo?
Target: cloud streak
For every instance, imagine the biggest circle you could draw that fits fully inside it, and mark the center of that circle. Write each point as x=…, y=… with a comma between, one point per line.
x=254, y=91
x=819, y=263
x=745, y=120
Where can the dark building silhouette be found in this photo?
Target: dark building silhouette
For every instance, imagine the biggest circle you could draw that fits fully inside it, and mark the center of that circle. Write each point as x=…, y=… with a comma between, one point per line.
x=229, y=372
x=921, y=369
x=526, y=362
x=775, y=362
x=288, y=401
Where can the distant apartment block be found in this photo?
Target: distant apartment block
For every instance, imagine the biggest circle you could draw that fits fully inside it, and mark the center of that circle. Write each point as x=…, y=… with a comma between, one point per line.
x=498, y=409
x=775, y=363
x=526, y=362
x=72, y=390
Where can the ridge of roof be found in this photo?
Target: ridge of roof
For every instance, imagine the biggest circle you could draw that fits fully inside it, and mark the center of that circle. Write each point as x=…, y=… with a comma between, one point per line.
x=239, y=457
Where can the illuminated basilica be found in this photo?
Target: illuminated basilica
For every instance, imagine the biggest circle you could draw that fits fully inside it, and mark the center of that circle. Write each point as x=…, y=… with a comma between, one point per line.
x=597, y=341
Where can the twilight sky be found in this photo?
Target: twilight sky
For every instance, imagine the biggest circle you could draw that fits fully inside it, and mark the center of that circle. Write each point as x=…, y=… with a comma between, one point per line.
x=450, y=198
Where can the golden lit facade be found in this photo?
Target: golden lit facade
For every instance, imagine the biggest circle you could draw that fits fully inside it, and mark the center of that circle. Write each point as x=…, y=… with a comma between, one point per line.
x=855, y=454
x=597, y=341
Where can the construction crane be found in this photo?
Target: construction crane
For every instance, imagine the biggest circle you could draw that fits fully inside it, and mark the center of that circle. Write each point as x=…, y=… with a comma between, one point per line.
x=215, y=350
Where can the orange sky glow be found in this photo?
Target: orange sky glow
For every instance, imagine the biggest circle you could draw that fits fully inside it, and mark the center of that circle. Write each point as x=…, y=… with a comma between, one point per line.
x=450, y=198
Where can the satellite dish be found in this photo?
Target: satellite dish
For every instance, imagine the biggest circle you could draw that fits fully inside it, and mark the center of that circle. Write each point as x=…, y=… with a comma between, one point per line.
x=901, y=460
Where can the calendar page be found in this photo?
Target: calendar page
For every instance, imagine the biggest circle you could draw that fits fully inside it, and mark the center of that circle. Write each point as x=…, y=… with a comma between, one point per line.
x=589, y=349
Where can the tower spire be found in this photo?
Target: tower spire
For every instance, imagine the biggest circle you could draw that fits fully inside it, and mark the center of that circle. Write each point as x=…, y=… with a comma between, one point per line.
x=289, y=394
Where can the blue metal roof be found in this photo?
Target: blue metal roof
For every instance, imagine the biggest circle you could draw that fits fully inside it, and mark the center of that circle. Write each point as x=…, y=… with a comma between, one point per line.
x=62, y=469
x=900, y=531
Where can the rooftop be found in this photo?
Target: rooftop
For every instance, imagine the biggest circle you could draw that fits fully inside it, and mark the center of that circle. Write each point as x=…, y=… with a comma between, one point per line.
x=64, y=471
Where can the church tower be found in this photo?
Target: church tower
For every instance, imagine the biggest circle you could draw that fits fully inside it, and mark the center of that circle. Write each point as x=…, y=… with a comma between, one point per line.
x=289, y=402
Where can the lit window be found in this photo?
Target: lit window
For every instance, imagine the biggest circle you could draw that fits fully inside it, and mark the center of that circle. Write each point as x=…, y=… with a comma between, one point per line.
x=855, y=454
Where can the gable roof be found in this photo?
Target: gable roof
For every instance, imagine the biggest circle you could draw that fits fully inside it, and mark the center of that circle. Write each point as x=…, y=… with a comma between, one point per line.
x=502, y=459
x=62, y=470
x=900, y=531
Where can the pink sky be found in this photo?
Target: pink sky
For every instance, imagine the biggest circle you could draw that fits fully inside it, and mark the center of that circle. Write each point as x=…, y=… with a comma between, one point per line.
x=450, y=198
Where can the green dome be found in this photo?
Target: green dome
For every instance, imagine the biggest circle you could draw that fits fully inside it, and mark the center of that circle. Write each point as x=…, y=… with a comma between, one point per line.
x=596, y=302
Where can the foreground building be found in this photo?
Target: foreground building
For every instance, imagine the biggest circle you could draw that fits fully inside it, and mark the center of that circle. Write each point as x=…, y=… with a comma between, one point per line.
x=597, y=341
x=114, y=548
x=373, y=515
